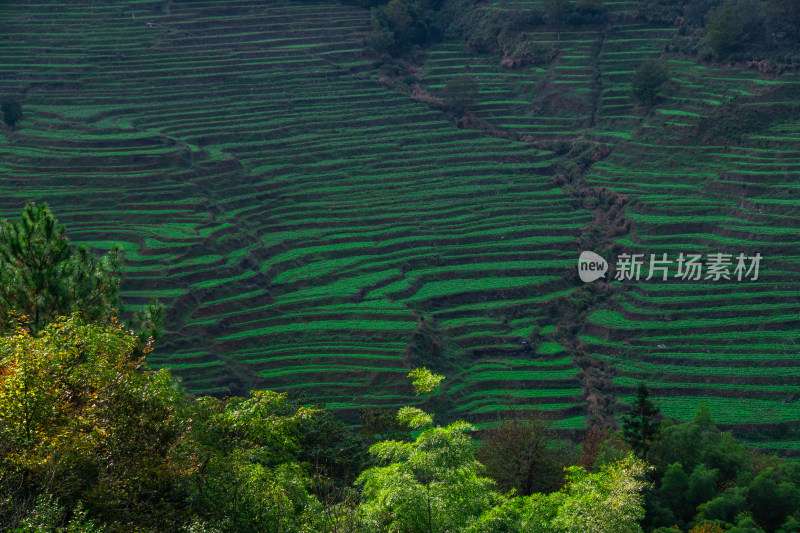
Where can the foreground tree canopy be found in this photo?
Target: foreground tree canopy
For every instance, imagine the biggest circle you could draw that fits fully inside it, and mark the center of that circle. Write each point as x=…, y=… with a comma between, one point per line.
x=93, y=438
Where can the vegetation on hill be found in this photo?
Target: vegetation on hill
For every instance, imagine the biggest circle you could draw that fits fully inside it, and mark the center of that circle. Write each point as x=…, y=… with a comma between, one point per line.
x=42, y=277
x=647, y=79
x=766, y=31
x=326, y=235
x=733, y=30
x=400, y=25
x=92, y=440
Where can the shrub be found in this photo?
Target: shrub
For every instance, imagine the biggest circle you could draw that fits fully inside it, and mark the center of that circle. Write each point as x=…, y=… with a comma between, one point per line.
x=401, y=24
x=12, y=111
x=460, y=92
x=530, y=53
x=647, y=79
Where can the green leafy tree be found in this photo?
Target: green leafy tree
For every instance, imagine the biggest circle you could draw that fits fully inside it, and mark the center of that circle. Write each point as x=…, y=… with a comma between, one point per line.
x=82, y=418
x=648, y=78
x=792, y=524
x=11, y=111
x=611, y=450
x=248, y=478
x=694, y=462
x=746, y=525
x=723, y=30
x=382, y=424
x=700, y=441
x=48, y=516
x=398, y=25
x=431, y=484
x=609, y=501
x=641, y=425
x=424, y=381
x=523, y=454
x=460, y=92
x=772, y=500
x=673, y=491
x=702, y=486
x=334, y=453
x=723, y=508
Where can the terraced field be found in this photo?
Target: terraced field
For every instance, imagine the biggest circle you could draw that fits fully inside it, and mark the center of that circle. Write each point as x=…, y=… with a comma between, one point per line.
x=731, y=344
x=311, y=229
x=224, y=146
x=696, y=183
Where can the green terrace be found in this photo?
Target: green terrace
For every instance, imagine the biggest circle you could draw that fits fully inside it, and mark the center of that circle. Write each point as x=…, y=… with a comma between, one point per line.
x=306, y=225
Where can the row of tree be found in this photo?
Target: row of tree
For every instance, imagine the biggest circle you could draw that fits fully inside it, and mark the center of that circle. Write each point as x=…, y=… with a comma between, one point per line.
x=736, y=29
x=741, y=23
x=400, y=25
x=764, y=26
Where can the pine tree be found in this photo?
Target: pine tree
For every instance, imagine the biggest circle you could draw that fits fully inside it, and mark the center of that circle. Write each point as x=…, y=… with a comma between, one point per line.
x=42, y=276
x=640, y=426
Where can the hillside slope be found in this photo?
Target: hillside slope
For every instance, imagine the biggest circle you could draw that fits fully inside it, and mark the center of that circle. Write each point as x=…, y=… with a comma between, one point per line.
x=311, y=228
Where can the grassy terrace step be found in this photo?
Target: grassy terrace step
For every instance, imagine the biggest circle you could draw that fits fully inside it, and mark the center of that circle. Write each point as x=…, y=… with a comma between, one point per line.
x=508, y=98
x=728, y=411
x=674, y=388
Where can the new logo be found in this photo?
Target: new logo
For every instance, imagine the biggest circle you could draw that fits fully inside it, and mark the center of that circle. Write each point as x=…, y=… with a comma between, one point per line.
x=591, y=266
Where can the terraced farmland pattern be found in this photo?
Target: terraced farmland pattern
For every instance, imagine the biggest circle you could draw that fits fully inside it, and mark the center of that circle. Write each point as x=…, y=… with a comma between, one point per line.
x=311, y=229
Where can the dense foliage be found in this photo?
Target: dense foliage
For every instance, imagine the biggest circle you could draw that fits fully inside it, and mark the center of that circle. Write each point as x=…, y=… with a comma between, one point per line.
x=702, y=475
x=400, y=25
x=314, y=465
x=93, y=440
x=732, y=29
x=758, y=30
x=524, y=454
x=647, y=79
